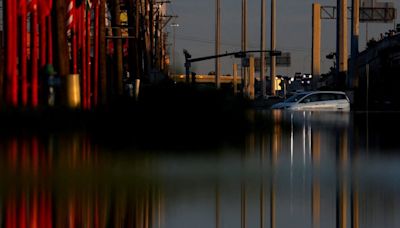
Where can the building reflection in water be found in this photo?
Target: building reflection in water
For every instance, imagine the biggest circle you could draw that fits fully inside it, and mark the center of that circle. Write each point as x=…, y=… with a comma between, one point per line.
x=42, y=187
x=300, y=169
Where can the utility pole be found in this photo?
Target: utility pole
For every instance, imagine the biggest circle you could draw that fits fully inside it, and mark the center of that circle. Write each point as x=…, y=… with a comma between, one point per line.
x=355, y=34
x=341, y=45
x=217, y=42
x=244, y=25
x=262, y=47
x=273, y=46
x=316, y=44
x=174, y=26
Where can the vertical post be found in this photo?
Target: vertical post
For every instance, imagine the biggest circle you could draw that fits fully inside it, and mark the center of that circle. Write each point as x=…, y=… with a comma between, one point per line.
x=151, y=29
x=23, y=54
x=187, y=71
x=118, y=45
x=42, y=37
x=217, y=42
x=235, y=73
x=2, y=64
x=355, y=34
x=174, y=25
x=316, y=44
x=49, y=40
x=244, y=25
x=173, y=50
x=34, y=57
x=367, y=86
x=88, y=59
x=262, y=47
x=11, y=52
x=84, y=56
x=244, y=44
x=96, y=54
x=273, y=46
x=102, y=51
x=251, y=78
x=341, y=43
x=74, y=32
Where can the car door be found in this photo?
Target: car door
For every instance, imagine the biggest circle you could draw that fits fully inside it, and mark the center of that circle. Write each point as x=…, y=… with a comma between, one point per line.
x=328, y=101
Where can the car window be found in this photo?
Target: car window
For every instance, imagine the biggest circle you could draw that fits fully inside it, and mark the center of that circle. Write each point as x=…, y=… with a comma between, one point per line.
x=295, y=98
x=311, y=98
x=327, y=97
x=341, y=97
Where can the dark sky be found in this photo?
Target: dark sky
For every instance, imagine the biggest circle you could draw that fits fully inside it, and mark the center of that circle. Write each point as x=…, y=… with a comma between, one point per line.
x=196, y=31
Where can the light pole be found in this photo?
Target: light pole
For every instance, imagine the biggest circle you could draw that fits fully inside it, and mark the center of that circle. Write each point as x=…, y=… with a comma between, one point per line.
x=174, y=26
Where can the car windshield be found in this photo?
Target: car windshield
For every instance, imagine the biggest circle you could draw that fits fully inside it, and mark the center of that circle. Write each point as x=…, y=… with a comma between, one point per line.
x=295, y=98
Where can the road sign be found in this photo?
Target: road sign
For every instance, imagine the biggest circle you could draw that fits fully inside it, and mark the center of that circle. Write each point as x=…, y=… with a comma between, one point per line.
x=284, y=60
x=384, y=12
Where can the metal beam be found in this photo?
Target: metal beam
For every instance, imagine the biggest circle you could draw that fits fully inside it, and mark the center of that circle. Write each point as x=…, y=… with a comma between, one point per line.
x=239, y=54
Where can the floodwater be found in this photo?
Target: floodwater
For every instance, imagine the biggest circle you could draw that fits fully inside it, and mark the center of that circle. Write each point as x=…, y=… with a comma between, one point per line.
x=295, y=169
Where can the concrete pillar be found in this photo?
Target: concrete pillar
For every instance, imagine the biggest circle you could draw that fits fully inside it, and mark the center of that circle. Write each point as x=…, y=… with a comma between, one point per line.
x=341, y=43
x=273, y=46
x=251, y=79
x=316, y=44
x=355, y=35
x=262, y=47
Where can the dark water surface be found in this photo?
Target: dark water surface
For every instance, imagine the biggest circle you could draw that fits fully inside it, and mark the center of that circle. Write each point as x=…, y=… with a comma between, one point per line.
x=296, y=169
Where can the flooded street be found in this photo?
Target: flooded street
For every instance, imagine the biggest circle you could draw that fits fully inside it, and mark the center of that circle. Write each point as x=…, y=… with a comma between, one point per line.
x=293, y=169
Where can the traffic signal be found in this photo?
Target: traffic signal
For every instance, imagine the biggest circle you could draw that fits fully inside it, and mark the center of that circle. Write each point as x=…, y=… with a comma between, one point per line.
x=278, y=82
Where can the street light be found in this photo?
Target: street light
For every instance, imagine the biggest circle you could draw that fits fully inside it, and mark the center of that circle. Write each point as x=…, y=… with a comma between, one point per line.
x=174, y=26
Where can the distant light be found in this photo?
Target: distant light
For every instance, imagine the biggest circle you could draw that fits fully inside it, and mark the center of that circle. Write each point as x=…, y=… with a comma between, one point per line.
x=292, y=79
x=308, y=82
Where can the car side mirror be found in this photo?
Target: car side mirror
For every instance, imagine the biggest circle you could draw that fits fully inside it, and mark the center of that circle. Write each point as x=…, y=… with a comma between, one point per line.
x=307, y=100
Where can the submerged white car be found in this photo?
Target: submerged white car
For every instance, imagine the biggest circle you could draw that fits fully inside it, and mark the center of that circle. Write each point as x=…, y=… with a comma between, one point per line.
x=316, y=100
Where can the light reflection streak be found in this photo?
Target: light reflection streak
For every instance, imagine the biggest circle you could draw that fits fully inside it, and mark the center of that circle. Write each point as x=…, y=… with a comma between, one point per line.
x=44, y=201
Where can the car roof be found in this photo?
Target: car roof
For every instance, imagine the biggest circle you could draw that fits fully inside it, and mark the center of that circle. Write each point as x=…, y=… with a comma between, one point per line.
x=316, y=92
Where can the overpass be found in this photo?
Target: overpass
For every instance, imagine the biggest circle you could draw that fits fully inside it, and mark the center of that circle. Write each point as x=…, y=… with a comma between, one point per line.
x=206, y=79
